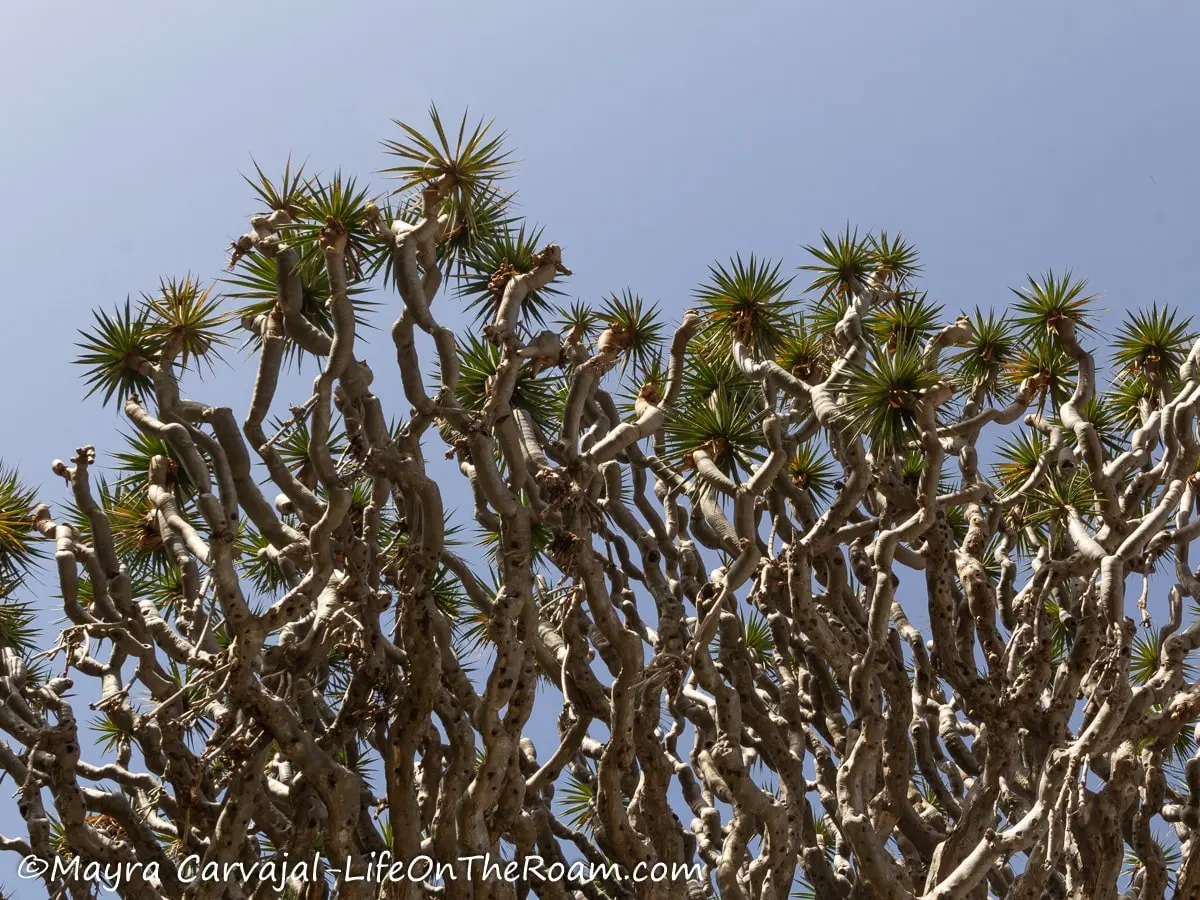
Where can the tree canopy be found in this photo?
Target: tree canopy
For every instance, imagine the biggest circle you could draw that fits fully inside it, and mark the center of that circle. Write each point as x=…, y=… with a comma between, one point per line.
x=824, y=589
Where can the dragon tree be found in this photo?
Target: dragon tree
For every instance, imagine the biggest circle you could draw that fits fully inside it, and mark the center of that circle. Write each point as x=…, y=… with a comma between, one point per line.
x=817, y=588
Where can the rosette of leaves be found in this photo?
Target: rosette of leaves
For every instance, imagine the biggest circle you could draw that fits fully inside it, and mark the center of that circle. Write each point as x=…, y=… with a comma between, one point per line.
x=255, y=282
x=642, y=387
x=822, y=321
x=744, y=301
x=810, y=470
x=726, y=428
x=491, y=215
x=470, y=618
x=18, y=621
x=466, y=169
x=882, y=397
x=1045, y=303
x=1152, y=344
x=255, y=565
x=1132, y=400
x=909, y=319
x=801, y=352
x=1183, y=749
x=1149, y=350
x=1146, y=656
x=109, y=735
x=641, y=324
x=577, y=802
x=285, y=196
x=496, y=258
x=133, y=464
x=912, y=467
x=1169, y=849
x=360, y=499
x=578, y=321
x=133, y=523
x=895, y=260
x=706, y=375
x=188, y=317
x=758, y=637
x=985, y=362
x=18, y=551
x=1046, y=361
x=1016, y=458
x=113, y=349
x=841, y=264
x=1111, y=427
x=312, y=205
x=336, y=207
x=1049, y=507
x=165, y=589
x=479, y=361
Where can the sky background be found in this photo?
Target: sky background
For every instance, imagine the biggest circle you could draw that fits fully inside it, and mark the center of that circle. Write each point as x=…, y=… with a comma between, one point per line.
x=653, y=139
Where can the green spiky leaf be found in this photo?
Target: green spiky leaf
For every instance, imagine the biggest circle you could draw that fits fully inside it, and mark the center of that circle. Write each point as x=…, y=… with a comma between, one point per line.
x=811, y=470
x=114, y=348
x=641, y=324
x=1132, y=400
x=842, y=264
x=466, y=169
x=745, y=301
x=18, y=628
x=993, y=349
x=1044, y=303
x=726, y=428
x=757, y=634
x=801, y=352
x=908, y=320
x=1146, y=656
x=133, y=463
x=578, y=804
x=1050, y=364
x=895, y=260
x=255, y=281
x=334, y=207
x=708, y=374
x=18, y=552
x=188, y=318
x=287, y=195
x=1018, y=456
x=882, y=397
x=479, y=361
x=1152, y=343
x=494, y=261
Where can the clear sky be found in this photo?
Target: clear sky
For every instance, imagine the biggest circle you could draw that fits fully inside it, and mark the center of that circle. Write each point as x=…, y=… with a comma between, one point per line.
x=653, y=138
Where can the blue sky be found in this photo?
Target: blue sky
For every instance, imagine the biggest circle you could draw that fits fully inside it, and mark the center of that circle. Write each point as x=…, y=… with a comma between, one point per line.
x=653, y=139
